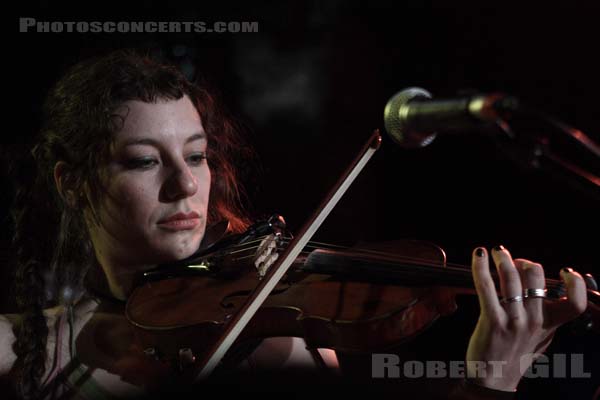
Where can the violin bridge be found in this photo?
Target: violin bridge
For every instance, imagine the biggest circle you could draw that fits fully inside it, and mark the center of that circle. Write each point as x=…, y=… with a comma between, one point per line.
x=267, y=253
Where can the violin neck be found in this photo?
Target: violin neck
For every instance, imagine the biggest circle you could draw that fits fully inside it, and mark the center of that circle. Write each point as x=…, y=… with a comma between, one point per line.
x=391, y=269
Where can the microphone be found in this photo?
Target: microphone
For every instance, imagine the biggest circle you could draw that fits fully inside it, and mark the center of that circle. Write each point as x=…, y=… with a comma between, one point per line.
x=412, y=118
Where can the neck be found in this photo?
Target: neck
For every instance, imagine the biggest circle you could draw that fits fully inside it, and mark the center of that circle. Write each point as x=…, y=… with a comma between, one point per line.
x=119, y=285
x=114, y=280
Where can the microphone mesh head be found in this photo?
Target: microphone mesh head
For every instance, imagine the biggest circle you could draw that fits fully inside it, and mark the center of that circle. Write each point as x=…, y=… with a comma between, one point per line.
x=395, y=122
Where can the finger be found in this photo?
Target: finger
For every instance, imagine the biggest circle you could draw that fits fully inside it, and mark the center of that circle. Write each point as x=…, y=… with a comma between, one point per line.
x=532, y=277
x=568, y=308
x=510, y=282
x=484, y=284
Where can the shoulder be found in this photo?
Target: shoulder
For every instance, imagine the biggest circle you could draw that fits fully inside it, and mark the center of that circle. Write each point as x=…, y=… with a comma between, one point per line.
x=7, y=338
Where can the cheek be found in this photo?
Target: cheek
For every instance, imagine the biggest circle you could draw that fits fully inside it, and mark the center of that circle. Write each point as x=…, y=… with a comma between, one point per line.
x=132, y=199
x=204, y=178
x=208, y=182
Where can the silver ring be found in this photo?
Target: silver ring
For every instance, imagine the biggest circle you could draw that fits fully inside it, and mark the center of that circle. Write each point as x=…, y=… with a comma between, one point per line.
x=532, y=293
x=515, y=299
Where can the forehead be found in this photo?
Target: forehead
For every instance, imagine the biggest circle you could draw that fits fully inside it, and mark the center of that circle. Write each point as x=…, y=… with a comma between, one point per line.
x=162, y=120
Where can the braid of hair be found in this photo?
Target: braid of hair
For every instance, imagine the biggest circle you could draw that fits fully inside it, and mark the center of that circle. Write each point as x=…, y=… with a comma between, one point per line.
x=53, y=255
x=33, y=251
x=32, y=335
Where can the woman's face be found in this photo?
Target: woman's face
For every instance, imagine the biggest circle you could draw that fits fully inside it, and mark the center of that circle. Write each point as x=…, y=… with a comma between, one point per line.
x=157, y=186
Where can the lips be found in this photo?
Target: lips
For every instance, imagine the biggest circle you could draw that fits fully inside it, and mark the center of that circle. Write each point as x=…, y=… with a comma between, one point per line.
x=180, y=221
x=180, y=216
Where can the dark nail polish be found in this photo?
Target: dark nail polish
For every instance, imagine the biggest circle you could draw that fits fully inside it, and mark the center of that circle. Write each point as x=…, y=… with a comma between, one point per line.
x=479, y=252
x=567, y=270
x=499, y=248
x=590, y=282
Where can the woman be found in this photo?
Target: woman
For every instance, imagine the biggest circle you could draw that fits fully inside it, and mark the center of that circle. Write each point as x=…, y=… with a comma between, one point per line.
x=132, y=164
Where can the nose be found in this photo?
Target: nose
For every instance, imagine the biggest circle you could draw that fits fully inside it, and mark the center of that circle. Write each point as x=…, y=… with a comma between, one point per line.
x=181, y=183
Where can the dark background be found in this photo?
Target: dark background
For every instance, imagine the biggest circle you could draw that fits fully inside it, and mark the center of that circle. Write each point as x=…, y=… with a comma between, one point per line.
x=310, y=87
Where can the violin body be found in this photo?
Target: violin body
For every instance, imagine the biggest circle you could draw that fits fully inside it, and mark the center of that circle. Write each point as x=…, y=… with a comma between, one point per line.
x=182, y=315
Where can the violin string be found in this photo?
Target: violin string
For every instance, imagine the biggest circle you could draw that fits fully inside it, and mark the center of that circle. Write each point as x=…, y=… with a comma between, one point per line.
x=244, y=249
x=448, y=268
x=286, y=239
x=463, y=273
x=421, y=262
x=304, y=253
x=257, y=240
x=248, y=246
x=460, y=268
x=438, y=271
x=252, y=255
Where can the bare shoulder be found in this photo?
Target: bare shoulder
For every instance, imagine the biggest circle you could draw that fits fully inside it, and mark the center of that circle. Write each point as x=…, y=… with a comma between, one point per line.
x=7, y=338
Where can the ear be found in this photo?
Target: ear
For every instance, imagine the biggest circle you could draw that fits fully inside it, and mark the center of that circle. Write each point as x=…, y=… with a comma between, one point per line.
x=61, y=173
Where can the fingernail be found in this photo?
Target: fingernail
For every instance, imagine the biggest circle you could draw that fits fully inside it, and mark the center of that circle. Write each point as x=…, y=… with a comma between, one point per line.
x=567, y=270
x=499, y=248
x=479, y=252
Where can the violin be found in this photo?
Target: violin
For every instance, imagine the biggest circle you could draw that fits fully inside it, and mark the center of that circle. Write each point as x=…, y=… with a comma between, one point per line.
x=352, y=300
x=263, y=283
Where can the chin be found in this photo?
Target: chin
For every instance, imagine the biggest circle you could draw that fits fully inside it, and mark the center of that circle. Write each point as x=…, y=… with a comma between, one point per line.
x=181, y=250
x=174, y=247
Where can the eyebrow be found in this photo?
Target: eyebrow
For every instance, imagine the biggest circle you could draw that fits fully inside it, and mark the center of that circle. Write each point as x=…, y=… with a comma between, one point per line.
x=153, y=142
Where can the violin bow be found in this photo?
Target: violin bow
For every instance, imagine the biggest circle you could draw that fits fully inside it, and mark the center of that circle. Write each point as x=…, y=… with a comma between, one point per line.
x=240, y=319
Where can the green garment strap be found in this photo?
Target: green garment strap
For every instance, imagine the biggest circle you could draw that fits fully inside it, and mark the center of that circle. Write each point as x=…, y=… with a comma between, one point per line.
x=82, y=381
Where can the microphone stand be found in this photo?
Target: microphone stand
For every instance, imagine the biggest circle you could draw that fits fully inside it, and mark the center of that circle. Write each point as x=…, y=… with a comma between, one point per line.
x=540, y=154
x=544, y=151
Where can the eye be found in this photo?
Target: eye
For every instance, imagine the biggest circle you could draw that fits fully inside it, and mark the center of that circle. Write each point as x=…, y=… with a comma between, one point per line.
x=141, y=163
x=197, y=158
